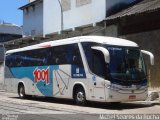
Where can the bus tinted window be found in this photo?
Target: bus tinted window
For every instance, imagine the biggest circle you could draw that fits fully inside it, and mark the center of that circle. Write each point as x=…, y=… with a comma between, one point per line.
x=67, y=54
x=58, y=55
x=98, y=66
x=36, y=57
x=94, y=58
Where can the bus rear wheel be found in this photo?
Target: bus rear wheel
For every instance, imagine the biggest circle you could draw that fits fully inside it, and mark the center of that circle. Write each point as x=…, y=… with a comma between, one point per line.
x=21, y=91
x=80, y=97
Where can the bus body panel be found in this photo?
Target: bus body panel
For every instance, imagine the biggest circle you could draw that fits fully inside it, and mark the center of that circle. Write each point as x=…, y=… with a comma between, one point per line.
x=65, y=78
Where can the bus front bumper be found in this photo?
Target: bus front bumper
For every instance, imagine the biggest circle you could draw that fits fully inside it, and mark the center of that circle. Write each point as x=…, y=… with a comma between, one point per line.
x=126, y=95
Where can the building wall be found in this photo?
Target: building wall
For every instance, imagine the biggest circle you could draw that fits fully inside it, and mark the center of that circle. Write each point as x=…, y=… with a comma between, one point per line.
x=75, y=13
x=111, y=30
x=8, y=37
x=33, y=20
x=79, y=13
x=52, y=16
x=46, y=18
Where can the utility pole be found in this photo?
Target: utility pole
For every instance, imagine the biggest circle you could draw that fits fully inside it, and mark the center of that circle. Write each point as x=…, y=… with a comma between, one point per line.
x=61, y=16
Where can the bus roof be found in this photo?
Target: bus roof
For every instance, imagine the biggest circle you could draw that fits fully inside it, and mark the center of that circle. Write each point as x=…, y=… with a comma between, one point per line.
x=97, y=39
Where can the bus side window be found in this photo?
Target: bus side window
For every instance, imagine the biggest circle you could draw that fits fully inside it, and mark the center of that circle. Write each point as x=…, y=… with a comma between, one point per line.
x=95, y=59
x=59, y=55
x=77, y=59
x=67, y=54
x=9, y=61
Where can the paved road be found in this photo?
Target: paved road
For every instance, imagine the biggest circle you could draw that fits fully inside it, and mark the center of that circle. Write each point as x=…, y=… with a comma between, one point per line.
x=59, y=109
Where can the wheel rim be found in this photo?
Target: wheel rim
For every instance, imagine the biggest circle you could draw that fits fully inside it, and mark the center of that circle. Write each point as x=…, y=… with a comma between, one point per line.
x=80, y=96
x=21, y=91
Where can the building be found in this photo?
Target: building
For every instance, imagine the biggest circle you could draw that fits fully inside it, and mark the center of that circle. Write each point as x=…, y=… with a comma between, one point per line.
x=42, y=17
x=8, y=32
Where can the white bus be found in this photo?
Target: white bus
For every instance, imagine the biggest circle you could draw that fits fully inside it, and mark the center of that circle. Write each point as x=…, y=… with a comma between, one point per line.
x=86, y=68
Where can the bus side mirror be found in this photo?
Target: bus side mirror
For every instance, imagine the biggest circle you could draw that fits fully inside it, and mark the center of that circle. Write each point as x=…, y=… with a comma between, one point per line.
x=104, y=51
x=150, y=55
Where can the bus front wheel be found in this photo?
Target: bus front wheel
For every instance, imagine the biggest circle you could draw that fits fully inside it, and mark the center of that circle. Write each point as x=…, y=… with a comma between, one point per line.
x=21, y=91
x=80, y=97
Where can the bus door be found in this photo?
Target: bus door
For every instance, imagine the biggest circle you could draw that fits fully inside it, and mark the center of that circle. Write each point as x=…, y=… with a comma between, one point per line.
x=98, y=78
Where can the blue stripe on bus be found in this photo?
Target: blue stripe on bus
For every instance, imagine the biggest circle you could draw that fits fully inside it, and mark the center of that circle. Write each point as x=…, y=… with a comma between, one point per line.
x=28, y=72
x=43, y=85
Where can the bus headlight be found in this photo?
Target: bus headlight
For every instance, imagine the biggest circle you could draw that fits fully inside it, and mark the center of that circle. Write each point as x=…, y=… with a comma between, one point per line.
x=107, y=86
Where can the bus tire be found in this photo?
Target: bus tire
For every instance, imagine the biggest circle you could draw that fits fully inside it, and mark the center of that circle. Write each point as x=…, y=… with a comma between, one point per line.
x=21, y=91
x=80, y=97
x=115, y=103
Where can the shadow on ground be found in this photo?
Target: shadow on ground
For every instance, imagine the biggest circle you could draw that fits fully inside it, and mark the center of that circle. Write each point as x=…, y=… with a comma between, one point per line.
x=110, y=106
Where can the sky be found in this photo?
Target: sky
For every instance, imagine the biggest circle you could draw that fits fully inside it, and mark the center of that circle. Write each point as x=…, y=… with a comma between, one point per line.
x=10, y=13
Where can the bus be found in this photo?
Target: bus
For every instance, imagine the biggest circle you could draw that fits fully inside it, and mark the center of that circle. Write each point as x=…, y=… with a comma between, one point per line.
x=84, y=68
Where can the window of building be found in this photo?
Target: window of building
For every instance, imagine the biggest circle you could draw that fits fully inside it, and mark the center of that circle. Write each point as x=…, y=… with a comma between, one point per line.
x=33, y=8
x=82, y=2
x=26, y=10
x=33, y=32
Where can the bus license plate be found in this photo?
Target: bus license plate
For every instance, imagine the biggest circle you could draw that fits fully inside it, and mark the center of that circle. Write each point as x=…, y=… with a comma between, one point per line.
x=132, y=97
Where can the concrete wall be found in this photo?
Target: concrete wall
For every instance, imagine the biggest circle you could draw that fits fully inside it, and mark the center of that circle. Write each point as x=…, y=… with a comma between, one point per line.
x=111, y=30
x=33, y=20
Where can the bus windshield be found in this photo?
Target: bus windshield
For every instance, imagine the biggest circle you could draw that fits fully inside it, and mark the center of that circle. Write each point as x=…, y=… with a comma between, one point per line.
x=126, y=66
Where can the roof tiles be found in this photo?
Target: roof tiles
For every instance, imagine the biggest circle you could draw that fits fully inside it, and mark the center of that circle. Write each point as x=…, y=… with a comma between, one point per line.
x=141, y=7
